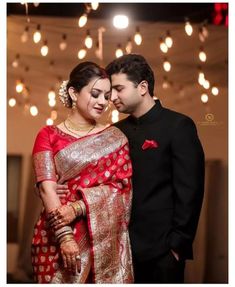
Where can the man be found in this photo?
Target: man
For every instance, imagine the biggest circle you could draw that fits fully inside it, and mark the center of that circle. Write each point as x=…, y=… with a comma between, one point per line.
x=168, y=174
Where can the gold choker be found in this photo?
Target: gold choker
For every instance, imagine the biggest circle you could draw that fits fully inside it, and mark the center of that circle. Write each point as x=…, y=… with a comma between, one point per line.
x=82, y=127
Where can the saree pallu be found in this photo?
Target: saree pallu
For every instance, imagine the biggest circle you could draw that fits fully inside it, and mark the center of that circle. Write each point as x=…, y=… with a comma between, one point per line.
x=98, y=170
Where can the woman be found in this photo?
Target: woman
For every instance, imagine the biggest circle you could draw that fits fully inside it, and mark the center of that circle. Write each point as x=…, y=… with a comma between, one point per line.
x=83, y=238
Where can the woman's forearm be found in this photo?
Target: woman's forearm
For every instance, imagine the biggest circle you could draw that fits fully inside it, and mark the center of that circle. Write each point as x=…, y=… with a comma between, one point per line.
x=49, y=196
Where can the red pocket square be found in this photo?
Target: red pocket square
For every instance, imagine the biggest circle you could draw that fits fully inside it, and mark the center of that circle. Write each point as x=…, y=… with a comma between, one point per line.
x=149, y=144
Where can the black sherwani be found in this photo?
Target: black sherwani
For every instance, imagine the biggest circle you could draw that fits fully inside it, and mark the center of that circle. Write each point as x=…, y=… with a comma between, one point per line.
x=168, y=182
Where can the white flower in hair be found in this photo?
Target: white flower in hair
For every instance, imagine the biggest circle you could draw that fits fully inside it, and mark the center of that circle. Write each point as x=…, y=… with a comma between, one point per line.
x=63, y=94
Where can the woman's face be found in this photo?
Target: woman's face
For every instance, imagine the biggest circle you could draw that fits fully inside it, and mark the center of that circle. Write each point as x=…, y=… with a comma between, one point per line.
x=93, y=99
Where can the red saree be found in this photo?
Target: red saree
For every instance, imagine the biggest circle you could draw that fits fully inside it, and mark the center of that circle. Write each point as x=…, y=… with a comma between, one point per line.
x=98, y=170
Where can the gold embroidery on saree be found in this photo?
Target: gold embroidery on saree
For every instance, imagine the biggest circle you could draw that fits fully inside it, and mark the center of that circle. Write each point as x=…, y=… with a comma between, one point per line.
x=44, y=166
x=72, y=159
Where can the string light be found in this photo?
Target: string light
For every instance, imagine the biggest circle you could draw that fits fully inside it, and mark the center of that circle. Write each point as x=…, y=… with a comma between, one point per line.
x=166, y=65
x=37, y=35
x=15, y=63
x=51, y=95
x=52, y=102
x=138, y=37
x=53, y=115
x=120, y=21
x=25, y=36
x=163, y=46
x=82, y=53
x=88, y=40
x=129, y=46
x=165, y=84
x=168, y=39
x=119, y=51
x=12, y=102
x=206, y=84
x=115, y=116
x=94, y=5
x=49, y=122
x=204, y=98
x=36, y=4
x=63, y=43
x=214, y=91
x=188, y=28
x=201, y=78
x=205, y=31
x=82, y=20
x=44, y=49
x=200, y=35
x=33, y=111
x=202, y=55
x=19, y=87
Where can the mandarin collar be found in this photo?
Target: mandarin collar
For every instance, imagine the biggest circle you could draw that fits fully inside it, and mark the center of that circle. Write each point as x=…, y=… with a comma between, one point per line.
x=152, y=115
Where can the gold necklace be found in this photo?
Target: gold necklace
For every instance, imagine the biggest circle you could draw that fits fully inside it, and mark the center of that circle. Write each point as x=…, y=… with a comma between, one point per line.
x=75, y=133
x=78, y=127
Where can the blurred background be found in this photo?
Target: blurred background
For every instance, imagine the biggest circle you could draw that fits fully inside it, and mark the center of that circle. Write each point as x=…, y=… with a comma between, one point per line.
x=187, y=47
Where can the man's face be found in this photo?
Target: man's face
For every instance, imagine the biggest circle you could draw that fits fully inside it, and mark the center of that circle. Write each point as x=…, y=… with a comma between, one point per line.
x=125, y=95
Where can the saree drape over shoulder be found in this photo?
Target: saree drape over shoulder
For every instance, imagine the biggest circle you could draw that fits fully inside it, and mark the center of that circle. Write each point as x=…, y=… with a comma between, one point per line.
x=98, y=170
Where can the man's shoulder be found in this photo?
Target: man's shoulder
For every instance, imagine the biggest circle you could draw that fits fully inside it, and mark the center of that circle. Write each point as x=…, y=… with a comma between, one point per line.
x=175, y=116
x=122, y=123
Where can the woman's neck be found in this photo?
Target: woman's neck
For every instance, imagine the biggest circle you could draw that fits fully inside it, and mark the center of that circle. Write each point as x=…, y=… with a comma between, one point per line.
x=78, y=119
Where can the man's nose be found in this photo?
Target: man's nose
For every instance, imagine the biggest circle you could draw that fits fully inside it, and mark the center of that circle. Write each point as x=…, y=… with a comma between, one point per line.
x=113, y=95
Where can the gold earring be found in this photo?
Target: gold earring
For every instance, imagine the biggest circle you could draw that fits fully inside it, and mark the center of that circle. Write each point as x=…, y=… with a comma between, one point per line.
x=74, y=105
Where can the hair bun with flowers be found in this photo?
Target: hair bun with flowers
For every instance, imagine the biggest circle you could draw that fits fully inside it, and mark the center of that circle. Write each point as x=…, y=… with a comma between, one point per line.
x=64, y=95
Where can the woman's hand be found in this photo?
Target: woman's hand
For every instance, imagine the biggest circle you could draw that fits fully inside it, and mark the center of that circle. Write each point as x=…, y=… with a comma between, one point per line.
x=61, y=216
x=71, y=256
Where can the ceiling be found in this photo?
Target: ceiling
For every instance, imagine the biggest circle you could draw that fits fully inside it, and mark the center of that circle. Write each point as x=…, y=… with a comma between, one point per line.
x=183, y=94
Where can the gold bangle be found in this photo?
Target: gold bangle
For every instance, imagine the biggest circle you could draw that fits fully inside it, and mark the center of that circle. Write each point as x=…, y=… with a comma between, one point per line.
x=83, y=207
x=77, y=208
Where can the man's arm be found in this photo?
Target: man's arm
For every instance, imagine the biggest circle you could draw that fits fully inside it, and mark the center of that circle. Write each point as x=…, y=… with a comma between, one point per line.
x=188, y=182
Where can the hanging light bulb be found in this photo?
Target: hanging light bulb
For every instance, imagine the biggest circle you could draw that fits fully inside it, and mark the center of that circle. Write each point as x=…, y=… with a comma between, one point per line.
x=165, y=84
x=206, y=84
x=52, y=102
x=163, y=46
x=188, y=28
x=205, y=31
x=214, y=91
x=204, y=98
x=88, y=40
x=37, y=35
x=25, y=36
x=82, y=20
x=15, y=63
x=44, y=49
x=94, y=5
x=82, y=54
x=200, y=35
x=12, y=102
x=33, y=111
x=115, y=116
x=168, y=39
x=202, y=55
x=53, y=115
x=120, y=21
x=51, y=95
x=36, y=4
x=19, y=87
x=201, y=78
x=119, y=51
x=129, y=46
x=138, y=37
x=63, y=43
x=166, y=65
x=49, y=122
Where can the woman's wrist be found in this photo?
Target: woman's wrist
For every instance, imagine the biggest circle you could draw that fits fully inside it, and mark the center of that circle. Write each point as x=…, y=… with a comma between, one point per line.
x=79, y=208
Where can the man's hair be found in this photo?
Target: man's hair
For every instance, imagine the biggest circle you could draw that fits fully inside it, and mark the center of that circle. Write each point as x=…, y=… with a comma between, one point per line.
x=135, y=67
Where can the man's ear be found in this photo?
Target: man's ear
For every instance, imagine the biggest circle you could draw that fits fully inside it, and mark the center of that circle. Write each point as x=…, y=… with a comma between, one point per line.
x=143, y=87
x=73, y=94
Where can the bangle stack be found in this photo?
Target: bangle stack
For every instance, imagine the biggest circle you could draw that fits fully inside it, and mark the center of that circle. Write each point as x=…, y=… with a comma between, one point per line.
x=79, y=208
x=64, y=234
